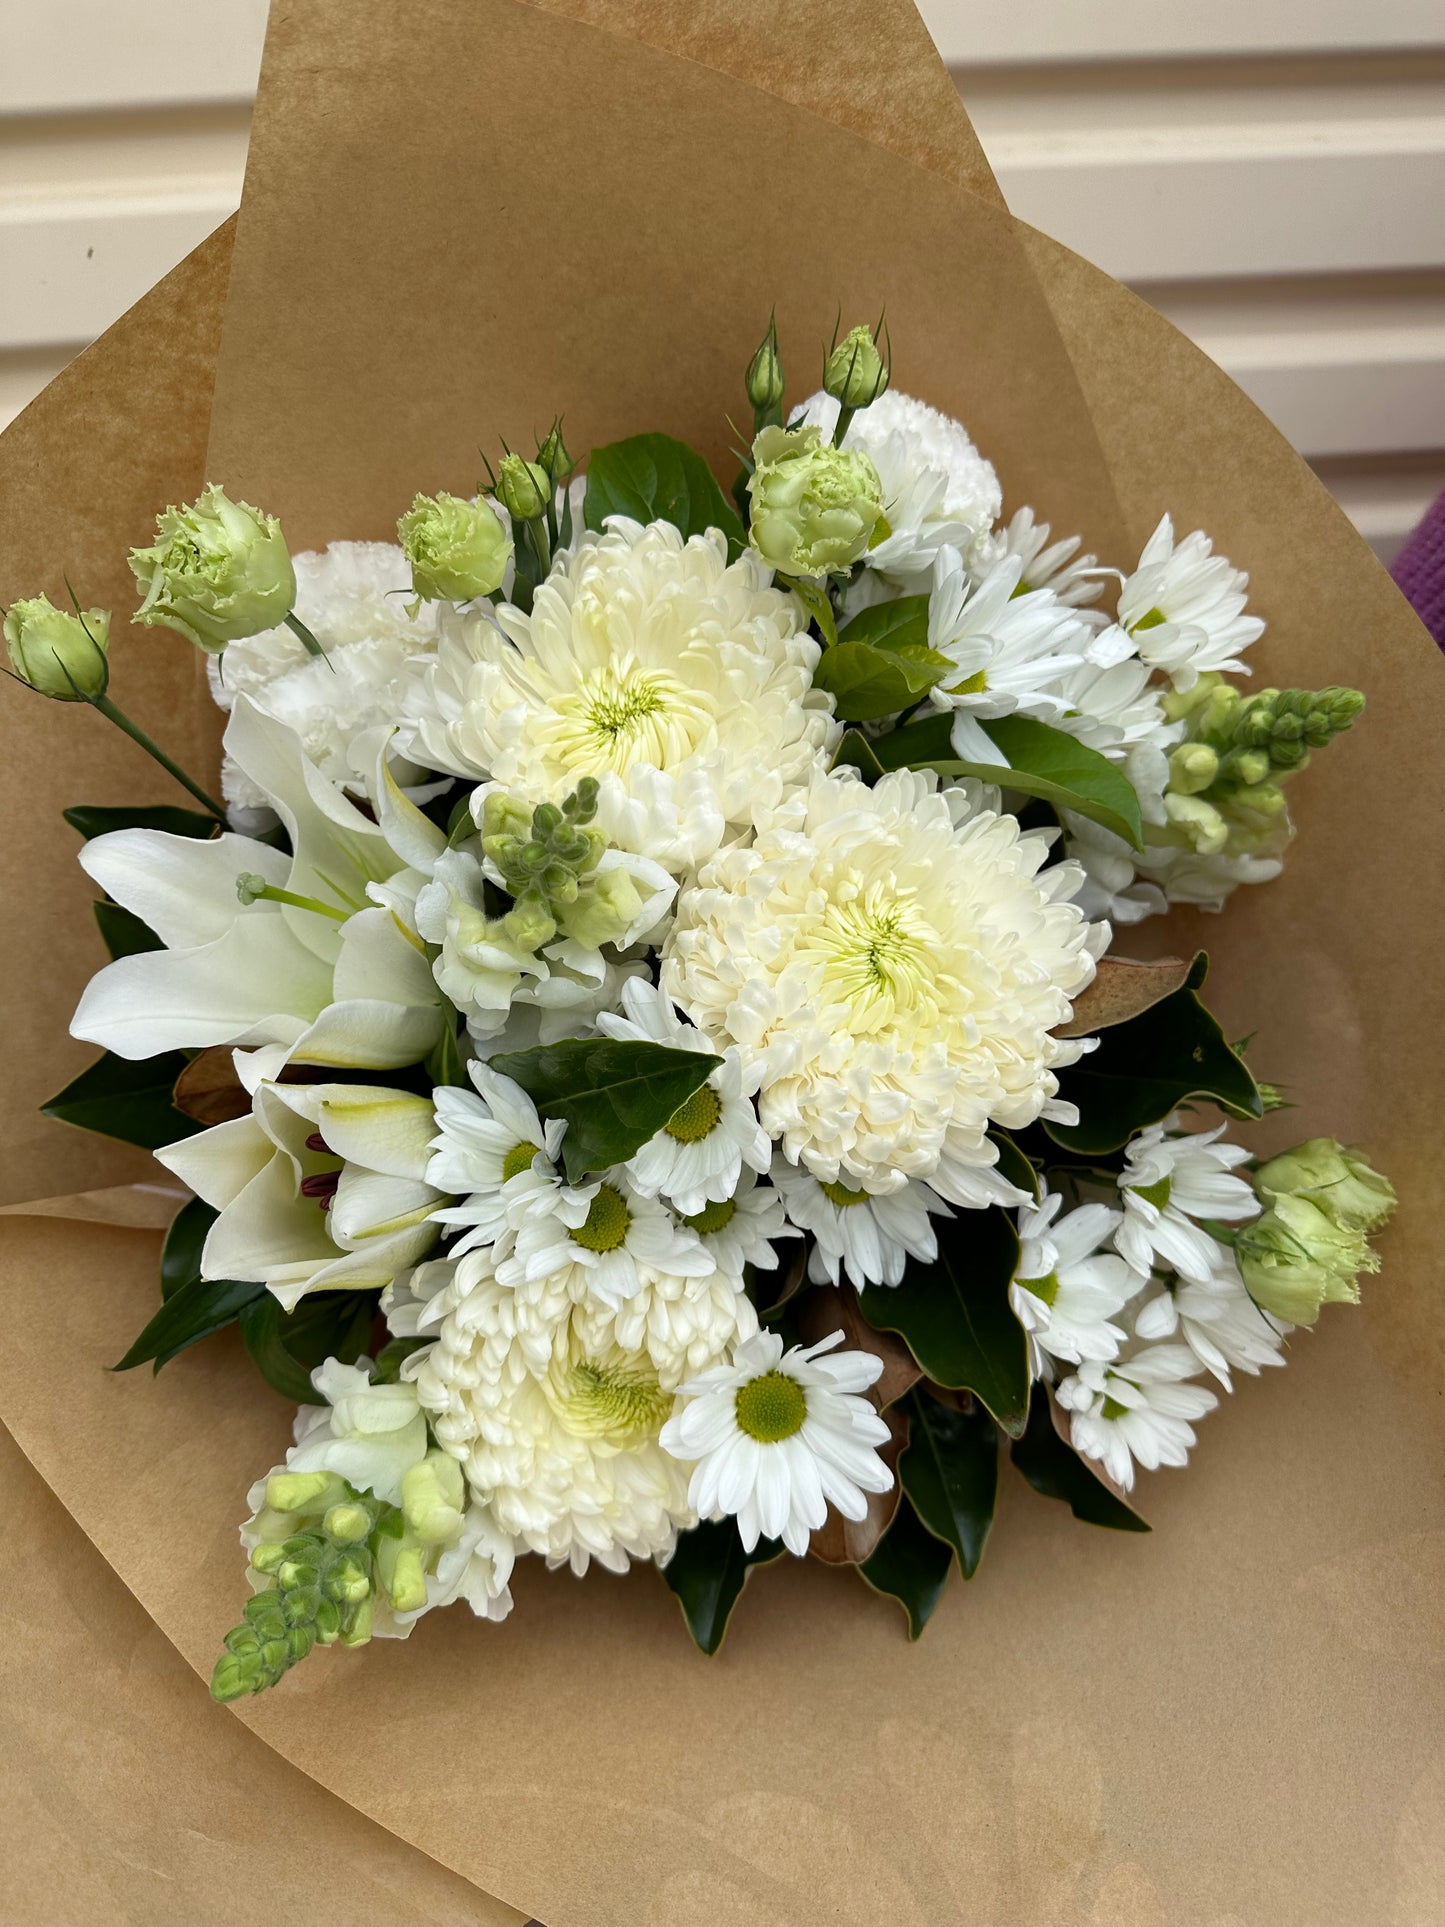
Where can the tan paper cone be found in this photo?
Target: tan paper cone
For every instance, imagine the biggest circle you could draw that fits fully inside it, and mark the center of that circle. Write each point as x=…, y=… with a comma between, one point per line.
x=1233, y=1721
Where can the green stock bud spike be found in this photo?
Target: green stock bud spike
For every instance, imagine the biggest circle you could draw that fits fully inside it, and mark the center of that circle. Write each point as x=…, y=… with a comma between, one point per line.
x=346, y=1523
x=1193, y=767
x=855, y=373
x=303, y=1491
x=581, y=805
x=503, y=815
x=524, y=488
x=58, y=654
x=764, y=379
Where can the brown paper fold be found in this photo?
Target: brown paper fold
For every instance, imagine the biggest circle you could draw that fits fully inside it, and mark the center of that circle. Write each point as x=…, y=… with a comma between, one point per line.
x=1233, y=1720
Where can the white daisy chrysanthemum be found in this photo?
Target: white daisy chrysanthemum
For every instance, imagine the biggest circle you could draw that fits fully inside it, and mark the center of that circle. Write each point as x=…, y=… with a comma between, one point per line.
x=1074, y=578
x=1218, y=1321
x=741, y=1230
x=1167, y=1182
x=354, y=597
x=1116, y=706
x=1011, y=649
x=682, y=682
x=492, y=1151
x=869, y=1235
x=697, y=1157
x=1140, y=1409
x=776, y=1437
x=1184, y=607
x=1067, y=1288
x=593, y=1241
x=895, y=967
x=937, y=488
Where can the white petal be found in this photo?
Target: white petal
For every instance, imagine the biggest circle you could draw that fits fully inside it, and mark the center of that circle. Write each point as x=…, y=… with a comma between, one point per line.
x=185, y=889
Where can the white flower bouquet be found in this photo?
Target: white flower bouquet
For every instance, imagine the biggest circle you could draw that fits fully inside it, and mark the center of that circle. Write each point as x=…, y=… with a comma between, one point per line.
x=643, y=1028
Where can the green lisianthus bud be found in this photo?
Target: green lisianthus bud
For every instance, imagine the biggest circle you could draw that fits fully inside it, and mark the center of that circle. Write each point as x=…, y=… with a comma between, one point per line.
x=553, y=457
x=456, y=549
x=1294, y=1260
x=814, y=508
x=524, y=488
x=59, y=654
x=1335, y=1180
x=855, y=373
x=218, y=571
x=764, y=379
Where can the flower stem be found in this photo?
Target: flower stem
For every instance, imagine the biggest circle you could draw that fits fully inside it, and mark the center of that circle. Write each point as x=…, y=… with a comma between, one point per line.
x=844, y=422
x=310, y=644
x=137, y=735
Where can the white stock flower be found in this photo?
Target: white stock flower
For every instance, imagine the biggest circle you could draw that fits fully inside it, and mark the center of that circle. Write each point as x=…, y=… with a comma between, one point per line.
x=593, y=1242
x=1067, y=1288
x=937, y=488
x=1011, y=650
x=869, y=1235
x=696, y=1159
x=896, y=968
x=1184, y=607
x=491, y=1152
x=1218, y=1321
x=1139, y=1409
x=775, y=1437
x=1168, y=1182
x=682, y=683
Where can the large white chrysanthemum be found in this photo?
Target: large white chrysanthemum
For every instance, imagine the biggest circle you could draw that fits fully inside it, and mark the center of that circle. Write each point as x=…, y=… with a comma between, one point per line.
x=681, y=682
x=895, y=968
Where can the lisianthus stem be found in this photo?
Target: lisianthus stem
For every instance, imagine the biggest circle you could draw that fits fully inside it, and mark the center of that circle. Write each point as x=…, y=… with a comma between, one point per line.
x=538, y=532
x=309, y=643
x=844, y=422
x=138, y=735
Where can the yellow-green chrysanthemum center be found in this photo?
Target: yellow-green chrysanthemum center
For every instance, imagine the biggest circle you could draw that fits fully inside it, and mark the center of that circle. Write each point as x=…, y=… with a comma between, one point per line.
x=691, y=1122
x=621, y=1403
x=606, y=1224
x=623, y=713
x=771, y=1408
x=879, y=952
x=840, y=1194
x=518, y=1159
x=713, y=1217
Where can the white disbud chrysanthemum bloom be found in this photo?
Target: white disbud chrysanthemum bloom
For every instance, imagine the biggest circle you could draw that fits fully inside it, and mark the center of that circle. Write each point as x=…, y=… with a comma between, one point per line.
x=696, y=1159
x=937, y=488
x=355, y=598
x=1011, y=648
x=593, y=1241
x=1067, y=1288
x=1184, y=607
x=870, y=1236
x=1168, y=1182
x=1218, y=1321
x=491, y=1152
x=775, y=1438
x=681, y=682
x=681, y=1322
x=896, y=969
x=1140, y=1410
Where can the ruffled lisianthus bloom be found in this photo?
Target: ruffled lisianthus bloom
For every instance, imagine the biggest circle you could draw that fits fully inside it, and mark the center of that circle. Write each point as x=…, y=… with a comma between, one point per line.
x=937, y=488
x=1184, y=606
x=355, y=598
x=895, y=968
x=776, y=1437
x=681, y=682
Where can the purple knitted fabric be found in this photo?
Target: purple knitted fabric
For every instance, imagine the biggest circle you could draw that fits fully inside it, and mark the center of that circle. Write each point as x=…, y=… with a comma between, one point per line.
x=1419, y=570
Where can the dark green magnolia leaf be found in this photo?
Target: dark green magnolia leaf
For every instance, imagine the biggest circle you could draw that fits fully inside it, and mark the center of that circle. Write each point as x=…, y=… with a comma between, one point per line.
x=614, y=1095
x=856, y=751
x=1041, y=761
x=881, y=662
x=287, y=1348
x=96, y=819
x=949, y=1470
x=653, y=478
x=1053, y=1467
x=125, y=1100
x=192, y=1312
x=955, y=1315
x=1143, y=1069
x=122, y=932
x=181, y=1252
x=707, y=1571
x=909, y=1565
x=1013, y=1165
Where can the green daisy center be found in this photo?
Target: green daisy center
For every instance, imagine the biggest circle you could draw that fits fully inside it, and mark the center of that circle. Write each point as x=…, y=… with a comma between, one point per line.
x=1157, y=1193
x=713, y=1217
x=1045, y=1288
x=606, y=1224
x=1155, y=619
x=1113, y=1409
x=518, y=1159
x=771, y=1407
x=840, y=1194
x=691, y=1122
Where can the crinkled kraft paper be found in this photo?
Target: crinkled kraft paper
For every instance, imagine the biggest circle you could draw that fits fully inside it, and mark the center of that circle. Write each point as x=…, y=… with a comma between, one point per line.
x=460, y=219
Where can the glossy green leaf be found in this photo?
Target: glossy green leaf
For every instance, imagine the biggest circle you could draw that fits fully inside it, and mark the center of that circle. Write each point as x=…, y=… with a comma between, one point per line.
x=130, y=1101
x=1054, y=1468
x=614, y=1095
x=900, y=624
x=96, y=819
x=1143, y=1069
x=855, y=751
x=1038, y=760
x=122, y=932
x=881, y=662
x=287, y=1348
x=181, y=1252
x=910, y=1565
x=653, y=478
x=707, y=1571
x=949, y=1469
x=192, y=1312
x=954, y=1315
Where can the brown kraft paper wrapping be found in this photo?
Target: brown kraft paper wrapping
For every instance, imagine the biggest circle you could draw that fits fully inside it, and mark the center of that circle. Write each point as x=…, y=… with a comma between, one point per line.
x=1234, y=1721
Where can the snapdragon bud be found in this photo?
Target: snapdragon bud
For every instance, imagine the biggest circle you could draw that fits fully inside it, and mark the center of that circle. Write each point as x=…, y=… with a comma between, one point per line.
x=58, y=654
x=524, y=488
x=606, y=911
x=814, y=508
x=1192, y=767
x=764, y=379
x=456, y=549
x=855, y=373
x=433, y=1498
x=1335, y=1180
x=218, y=571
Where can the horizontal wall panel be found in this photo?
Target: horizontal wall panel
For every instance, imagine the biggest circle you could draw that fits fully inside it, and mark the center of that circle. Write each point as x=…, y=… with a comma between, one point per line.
x=61, y=55
x=1088, y=30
